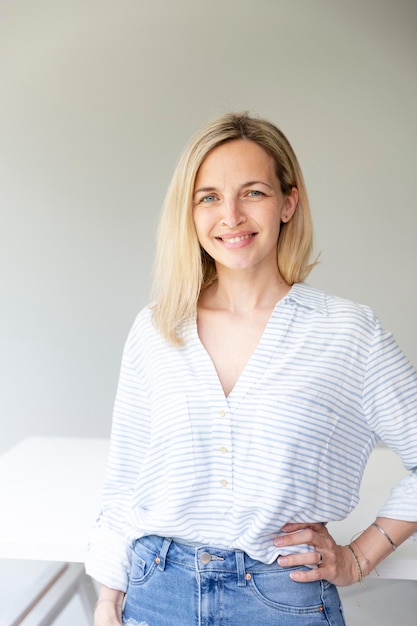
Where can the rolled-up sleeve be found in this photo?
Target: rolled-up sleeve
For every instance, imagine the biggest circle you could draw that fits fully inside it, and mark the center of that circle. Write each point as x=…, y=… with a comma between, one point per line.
x=109, y=550
x=390, y=405
x=402, y=501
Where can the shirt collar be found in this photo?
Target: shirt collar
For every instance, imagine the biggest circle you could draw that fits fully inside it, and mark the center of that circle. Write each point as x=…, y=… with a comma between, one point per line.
x=308, y=296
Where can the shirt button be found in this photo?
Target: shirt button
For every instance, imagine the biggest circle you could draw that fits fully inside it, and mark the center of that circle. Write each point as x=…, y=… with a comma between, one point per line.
x=224, y=483
x=223, y=449
x=222, y=413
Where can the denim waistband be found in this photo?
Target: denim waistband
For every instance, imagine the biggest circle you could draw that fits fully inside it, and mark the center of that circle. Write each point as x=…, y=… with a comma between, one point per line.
x=203, y=558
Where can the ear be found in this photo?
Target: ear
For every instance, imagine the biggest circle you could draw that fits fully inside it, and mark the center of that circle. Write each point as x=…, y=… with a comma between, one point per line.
x=290, y=205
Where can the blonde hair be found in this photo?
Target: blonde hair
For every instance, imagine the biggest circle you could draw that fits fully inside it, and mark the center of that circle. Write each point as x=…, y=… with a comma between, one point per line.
x=182, y=269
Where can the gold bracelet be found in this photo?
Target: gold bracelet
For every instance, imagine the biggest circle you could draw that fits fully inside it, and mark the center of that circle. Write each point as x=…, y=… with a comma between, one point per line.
x=357, y=563
x=386, y=535
x=100, y=600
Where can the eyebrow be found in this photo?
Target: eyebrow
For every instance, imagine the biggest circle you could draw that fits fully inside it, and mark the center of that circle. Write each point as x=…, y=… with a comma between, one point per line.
x=257, y=182
x=248, y=184
x=204, y=190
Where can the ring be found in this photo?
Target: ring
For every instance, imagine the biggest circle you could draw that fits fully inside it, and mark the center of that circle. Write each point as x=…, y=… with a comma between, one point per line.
x=320, y=561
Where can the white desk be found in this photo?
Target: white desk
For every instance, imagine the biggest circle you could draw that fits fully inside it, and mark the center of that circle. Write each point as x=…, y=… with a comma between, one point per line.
x=49, y=496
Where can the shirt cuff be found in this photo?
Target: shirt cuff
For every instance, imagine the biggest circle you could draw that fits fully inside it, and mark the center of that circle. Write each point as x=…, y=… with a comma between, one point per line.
x=108, y=558
x=402, y=503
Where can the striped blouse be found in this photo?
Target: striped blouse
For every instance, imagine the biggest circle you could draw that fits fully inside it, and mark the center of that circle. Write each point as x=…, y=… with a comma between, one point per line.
x=289, y=443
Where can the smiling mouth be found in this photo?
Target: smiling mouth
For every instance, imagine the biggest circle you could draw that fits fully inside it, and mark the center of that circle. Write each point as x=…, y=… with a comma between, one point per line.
x=236, y=239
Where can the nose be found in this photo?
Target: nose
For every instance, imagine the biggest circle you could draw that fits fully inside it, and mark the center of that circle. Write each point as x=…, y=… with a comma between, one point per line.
x=233, y=214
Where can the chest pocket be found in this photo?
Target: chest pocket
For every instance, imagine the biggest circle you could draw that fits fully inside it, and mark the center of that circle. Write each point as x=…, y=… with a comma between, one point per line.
x=171, y=452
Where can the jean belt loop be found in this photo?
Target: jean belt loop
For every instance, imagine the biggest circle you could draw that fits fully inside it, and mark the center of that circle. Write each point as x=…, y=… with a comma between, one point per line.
x=163, y=553
x=240, y=568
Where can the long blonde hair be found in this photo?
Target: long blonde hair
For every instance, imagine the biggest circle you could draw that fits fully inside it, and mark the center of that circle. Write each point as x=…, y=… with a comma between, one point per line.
x=182, y=269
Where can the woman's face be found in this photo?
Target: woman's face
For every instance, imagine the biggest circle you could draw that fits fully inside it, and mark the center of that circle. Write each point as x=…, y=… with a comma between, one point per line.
x=238, y=206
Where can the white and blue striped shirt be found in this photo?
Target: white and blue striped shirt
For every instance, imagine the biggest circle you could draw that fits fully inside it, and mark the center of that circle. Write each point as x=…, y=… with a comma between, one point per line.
x=289, y=444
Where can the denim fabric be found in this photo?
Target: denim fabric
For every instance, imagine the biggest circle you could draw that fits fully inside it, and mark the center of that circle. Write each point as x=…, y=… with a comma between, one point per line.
x=172, y=584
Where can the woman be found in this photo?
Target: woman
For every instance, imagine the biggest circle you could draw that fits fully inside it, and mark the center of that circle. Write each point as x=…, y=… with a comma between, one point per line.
x=247, y=407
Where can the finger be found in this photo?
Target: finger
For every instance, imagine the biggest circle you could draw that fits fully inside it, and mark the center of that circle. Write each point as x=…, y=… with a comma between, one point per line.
x=306, y=576
x=297, y=537
x=290, y=528
x=310, y=559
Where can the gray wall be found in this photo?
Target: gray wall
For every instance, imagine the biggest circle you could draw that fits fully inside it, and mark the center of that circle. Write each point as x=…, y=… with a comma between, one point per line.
x=98, y=97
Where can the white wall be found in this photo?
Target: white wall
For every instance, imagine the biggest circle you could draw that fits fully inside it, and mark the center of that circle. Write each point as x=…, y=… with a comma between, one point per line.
x=98, y=98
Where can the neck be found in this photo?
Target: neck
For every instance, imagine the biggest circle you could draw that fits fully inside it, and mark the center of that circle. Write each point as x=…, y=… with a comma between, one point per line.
x=241, y=293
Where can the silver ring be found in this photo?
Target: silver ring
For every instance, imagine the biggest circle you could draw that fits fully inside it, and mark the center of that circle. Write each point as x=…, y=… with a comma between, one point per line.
x=320, y=561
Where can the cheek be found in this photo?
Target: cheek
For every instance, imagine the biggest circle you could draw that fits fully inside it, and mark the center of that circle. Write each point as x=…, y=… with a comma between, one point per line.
x=203, y=225
x=274, y=224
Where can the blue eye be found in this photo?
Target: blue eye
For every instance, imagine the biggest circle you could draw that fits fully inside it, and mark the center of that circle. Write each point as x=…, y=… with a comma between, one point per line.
x=254, y=193
x=209, y=198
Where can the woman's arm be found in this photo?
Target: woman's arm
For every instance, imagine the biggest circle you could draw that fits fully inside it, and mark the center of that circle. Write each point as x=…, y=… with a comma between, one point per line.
x=109, y=551
x=108, y=609
x=342, y=565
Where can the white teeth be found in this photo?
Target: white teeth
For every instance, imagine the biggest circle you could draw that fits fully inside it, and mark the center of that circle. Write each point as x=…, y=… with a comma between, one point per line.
x=237, y=239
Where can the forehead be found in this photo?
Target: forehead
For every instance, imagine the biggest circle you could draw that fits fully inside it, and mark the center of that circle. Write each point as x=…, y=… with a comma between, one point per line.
x=234, y=158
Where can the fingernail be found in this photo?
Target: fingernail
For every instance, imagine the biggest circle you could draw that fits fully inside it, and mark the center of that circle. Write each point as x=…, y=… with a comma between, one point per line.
x=282, y=560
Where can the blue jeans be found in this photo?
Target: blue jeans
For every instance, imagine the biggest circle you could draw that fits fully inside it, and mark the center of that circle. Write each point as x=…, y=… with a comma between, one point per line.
x=172, y=584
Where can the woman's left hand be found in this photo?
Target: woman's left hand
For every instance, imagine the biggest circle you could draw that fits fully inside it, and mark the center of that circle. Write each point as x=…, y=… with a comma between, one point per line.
x=333, y=562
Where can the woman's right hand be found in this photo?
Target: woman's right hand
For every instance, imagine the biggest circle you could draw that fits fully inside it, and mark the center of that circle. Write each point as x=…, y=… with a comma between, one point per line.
x=108, y=609
x=107, y=614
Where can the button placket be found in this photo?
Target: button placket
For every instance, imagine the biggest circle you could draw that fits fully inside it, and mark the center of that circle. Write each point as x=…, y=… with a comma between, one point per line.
x=221, y=447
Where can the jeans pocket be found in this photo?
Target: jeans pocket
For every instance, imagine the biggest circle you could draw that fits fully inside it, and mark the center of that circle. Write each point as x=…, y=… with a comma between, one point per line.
x=143, y=565
x=277, y=590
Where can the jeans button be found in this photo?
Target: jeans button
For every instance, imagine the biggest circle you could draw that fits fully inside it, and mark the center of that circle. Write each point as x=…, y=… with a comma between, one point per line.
x=205, y=557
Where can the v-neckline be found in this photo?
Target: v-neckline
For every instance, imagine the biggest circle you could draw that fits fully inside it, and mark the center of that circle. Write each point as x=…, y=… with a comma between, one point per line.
x=267, y=338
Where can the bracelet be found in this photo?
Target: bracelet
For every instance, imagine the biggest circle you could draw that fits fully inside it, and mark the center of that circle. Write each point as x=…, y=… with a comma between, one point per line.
x=357, y=563
x=386, y=535
x=100, y=600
